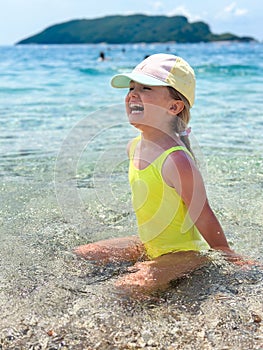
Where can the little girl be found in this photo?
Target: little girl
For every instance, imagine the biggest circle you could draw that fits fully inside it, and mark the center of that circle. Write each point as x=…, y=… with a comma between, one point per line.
x=175, y=221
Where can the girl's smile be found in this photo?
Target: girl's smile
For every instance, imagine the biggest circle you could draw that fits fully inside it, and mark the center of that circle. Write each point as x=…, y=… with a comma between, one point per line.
x=135, y=108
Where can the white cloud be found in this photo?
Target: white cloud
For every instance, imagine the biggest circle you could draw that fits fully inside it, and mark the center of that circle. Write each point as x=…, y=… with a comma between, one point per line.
x=183, y=11
x=232, y=10
x=241, y=12
x=157, y=5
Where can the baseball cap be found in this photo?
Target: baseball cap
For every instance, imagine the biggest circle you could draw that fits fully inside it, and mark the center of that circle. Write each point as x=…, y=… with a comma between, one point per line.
x=161, y=70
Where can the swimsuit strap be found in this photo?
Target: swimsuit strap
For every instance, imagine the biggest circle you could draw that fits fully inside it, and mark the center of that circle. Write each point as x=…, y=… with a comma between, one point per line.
x=163, y=155
x=177, y=148
x=133, y=146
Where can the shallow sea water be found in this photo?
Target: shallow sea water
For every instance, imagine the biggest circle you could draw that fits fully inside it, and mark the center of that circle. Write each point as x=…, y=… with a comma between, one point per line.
x=63, y=173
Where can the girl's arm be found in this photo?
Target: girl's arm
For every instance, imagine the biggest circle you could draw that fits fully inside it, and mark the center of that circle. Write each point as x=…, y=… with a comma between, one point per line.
x=180, y=172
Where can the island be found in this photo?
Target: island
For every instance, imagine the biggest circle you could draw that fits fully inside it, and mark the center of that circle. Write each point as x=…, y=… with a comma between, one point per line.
x=129, y=29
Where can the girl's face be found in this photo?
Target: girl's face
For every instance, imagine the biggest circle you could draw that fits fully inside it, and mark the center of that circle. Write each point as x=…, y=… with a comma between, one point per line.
x=149, y=106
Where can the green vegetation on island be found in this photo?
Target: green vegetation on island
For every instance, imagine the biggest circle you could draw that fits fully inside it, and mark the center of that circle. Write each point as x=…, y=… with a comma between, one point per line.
x=129, y=29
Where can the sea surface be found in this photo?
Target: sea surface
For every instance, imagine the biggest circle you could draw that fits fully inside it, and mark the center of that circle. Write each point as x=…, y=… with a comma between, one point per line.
x=63, y=182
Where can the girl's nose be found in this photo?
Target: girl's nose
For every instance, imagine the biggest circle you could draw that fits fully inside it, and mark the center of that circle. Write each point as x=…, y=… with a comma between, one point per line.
x=134, y=92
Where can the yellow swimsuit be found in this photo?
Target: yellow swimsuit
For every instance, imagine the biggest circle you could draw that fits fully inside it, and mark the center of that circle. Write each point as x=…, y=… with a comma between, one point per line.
x=163, y=222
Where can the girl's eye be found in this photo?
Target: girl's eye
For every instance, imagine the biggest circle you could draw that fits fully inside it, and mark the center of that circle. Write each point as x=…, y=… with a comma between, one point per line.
x=142, y=88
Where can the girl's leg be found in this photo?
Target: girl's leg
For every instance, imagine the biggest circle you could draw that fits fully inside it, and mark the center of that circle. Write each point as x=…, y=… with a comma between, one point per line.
x=112, y=250
x=149, y=276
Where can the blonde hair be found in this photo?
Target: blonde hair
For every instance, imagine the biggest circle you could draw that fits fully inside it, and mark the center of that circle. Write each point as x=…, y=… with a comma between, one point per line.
x=180, y=122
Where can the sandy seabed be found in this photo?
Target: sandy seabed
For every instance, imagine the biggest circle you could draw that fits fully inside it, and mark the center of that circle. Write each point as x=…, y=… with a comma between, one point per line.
x=51, y=299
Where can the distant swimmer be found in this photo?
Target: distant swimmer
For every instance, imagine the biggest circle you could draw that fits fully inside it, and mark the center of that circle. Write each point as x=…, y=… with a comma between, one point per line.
x=102, y=56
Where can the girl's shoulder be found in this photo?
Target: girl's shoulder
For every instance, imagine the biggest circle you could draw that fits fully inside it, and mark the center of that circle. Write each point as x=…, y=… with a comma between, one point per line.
x=179, y=157
x=179, y=165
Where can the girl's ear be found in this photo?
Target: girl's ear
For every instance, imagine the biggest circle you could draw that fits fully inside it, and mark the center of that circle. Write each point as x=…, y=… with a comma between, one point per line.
x=176, y=107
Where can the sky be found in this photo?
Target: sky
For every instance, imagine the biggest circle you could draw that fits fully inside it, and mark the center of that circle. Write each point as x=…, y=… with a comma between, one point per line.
x=20, y=19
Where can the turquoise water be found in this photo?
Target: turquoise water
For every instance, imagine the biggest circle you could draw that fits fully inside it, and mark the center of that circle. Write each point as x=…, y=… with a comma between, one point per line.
x=46, y=90
x=55, y=94
x=63, y=166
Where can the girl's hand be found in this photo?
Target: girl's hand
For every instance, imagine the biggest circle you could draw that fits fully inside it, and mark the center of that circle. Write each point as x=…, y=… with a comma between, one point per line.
x=237, y=259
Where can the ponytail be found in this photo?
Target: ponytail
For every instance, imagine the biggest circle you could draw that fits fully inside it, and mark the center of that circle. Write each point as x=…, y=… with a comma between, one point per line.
x=180, y=122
